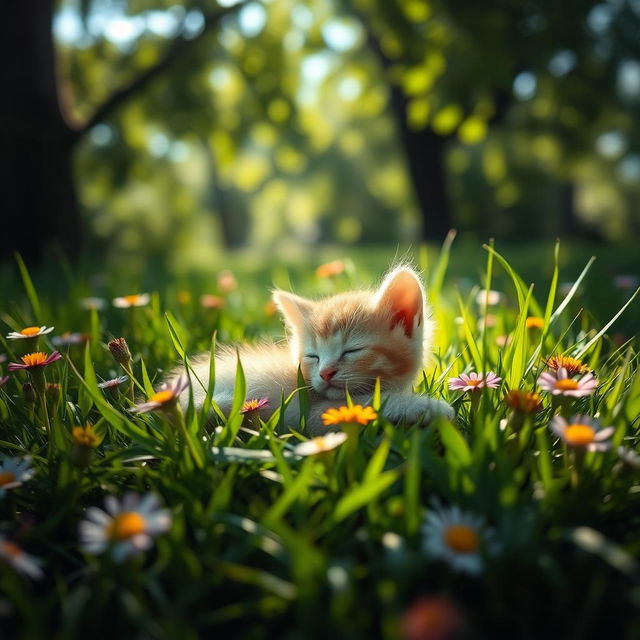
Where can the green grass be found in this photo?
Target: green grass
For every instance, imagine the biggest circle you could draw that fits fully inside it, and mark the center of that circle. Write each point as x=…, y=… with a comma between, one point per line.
x=264, y=542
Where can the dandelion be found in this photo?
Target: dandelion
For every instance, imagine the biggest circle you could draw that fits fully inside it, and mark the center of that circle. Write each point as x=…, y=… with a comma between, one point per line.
x=19, y=560
x=330, y=269
x=561, y=384
x=69, y=339
x=165, y=399
x=573, y=366
x=208, y=301
x=534, y=322
x=254, y=405
x=321, y=444
x=474, y=381
x=125, y=528
x=34, y=361
x=227, y=281
x=93, y=304
x=432, y=618
x=14, y=472
x=29, y=332
x=349, y=415
x=457, y=537
x=583, y=432
x=523, y=401
x=133, y=300
x=113, y=383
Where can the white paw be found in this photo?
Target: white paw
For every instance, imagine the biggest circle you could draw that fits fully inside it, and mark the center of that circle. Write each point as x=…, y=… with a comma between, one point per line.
x=422, y=410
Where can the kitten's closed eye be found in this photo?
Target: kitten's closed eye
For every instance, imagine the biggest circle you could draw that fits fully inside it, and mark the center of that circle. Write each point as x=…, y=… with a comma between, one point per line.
x=350, y=351
x=312, y=355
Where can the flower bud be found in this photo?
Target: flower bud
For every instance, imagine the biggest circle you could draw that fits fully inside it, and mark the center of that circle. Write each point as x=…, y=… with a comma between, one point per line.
x=120, y=351
x=53, y=394
x=28, y=393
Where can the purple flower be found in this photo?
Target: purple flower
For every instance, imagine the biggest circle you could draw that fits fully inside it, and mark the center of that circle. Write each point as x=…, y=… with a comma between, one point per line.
x=34, y=361
x=165, y=398
x=559, y=383
x=582, y=431
x=113, y=383
x=474, y=381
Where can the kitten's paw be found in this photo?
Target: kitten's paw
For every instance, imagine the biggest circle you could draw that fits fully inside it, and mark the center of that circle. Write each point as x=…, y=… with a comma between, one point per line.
x=423, y=410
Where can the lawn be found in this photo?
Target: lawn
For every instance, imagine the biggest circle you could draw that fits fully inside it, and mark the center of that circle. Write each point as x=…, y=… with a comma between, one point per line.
x=520, y=518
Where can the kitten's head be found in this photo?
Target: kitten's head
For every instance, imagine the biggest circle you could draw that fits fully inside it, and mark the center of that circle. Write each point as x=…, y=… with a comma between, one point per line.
x=350, y=339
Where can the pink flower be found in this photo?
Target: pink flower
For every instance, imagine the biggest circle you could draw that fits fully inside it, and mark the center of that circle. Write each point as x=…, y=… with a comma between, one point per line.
x=166, y=398
x=34, y=361
x=582, y=432
x=3, y=380
x=474, y=381
x=559, y=383
x=254, y=405
x=113, y=382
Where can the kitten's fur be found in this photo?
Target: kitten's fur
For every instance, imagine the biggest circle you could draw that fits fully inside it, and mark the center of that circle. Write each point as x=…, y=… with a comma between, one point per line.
x=351, y=338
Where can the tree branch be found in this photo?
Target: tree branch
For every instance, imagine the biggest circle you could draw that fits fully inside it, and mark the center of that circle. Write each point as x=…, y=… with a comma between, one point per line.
x=178, y=46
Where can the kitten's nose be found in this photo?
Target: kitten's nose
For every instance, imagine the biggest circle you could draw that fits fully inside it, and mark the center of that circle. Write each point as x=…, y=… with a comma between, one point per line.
x=328, y=373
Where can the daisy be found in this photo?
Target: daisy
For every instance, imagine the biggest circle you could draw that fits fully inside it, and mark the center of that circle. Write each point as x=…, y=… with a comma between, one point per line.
x=349, y=415
x=456, y=537
x=126, y=527
x=474, y=381
x=35, y=360
x=561, y=384
x=13, y=473
x=572, y=365
x=165, y=398
x=114, y=383
x=133, y=300
x=68, y=339
x=254, y=405
x=29, y=332
x=92, y=303
x=21, y=561
x=582, y=431
x=523, y=401
x=329, y=269
x=320, y=444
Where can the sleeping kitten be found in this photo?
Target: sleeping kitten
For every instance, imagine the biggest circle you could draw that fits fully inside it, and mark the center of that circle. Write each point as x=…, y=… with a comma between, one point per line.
x=344, y=341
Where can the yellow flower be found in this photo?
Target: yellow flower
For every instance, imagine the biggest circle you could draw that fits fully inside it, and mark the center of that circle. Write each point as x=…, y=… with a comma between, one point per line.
x=572, y=365
x=350, y=415
x=86, y=436
x=523, y=401
x=534, y=322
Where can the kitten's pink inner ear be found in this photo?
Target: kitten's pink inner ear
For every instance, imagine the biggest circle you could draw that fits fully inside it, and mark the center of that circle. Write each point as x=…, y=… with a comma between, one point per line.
x=404, y=297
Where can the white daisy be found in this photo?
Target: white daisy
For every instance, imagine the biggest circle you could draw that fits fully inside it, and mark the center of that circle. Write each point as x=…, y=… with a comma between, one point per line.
x=582, y=431
x=13, y=472
x=29, y=332
x=93, y=303
x=125, y=527
x=457, y=537
x=320, y=444
x=21, y=561
x=133, y=300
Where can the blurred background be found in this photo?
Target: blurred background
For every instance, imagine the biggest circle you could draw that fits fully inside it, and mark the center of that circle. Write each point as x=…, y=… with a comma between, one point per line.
x=170, y=131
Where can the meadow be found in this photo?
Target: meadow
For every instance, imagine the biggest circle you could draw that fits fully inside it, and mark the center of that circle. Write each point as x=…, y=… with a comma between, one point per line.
x=519, y=518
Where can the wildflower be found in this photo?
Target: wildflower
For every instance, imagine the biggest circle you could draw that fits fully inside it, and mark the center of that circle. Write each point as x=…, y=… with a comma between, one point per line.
x=456, y=537
x=320, y=444
x=349, y=415
x=29, y=332
x=69, y=339
x=126, y=527
x=184, y=297
x=34, y=361
x=85, y=440
x=13, y=473
x=474, y=381
x=432, y=618
x=630, y=457
x=21, y=561
x=534, y=322
x=207, y=301
x=488, y=297
x=561, y=384
x=329, y=269
x=113, y=383
x=93, y=304
x=583, y=432
x=503, y=341
x=3, y=380
x=626, y=281
x=164, y=399
x=120, y=351
x=523, y=401
x=572, y=365
x=53, y=394
x=254, y=405
x=227, y=281
x=133, y=300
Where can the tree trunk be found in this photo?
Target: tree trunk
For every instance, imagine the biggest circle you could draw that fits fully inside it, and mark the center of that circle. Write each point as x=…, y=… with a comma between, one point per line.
x=36, y=182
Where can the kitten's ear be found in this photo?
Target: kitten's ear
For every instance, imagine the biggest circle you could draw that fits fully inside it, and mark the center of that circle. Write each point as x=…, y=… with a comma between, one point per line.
x=402, y=296
x=294, y=309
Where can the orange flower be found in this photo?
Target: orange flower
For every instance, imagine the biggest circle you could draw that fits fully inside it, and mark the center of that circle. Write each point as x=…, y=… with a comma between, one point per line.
x=572, y=365
x=350, y=415
x=534, y=322
x=328, y=269
x=523, y=401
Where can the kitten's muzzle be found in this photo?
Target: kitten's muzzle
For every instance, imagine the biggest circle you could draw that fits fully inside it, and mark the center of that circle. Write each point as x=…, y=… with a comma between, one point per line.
x=328, y=373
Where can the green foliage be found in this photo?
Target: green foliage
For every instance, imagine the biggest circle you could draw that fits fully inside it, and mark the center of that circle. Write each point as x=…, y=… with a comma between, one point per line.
x=266, y=541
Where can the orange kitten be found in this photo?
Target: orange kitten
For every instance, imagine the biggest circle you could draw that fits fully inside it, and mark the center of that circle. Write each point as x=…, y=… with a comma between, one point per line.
x=344, y=341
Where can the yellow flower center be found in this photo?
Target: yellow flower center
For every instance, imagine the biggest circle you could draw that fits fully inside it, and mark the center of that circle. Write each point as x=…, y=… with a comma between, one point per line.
x=34, y=359
x=132, y=299
x=126, y=525
x=533, y=322
x=579, y=434
x=250, y=405
x=321, y=443
x=162, y=396
x=566, y=384
x=461, y=539
x=474, y=383
x=85, y=436
x=30, y=331
x=6, y=477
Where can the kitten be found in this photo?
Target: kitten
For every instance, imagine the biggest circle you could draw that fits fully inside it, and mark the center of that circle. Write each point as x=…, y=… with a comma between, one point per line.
x=344, y=341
